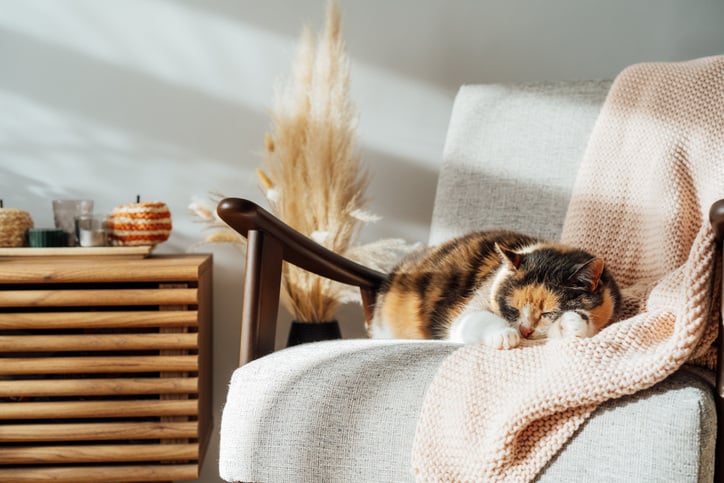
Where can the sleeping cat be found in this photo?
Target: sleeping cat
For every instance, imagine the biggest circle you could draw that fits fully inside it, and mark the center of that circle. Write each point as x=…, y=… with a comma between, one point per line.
x=496, y=287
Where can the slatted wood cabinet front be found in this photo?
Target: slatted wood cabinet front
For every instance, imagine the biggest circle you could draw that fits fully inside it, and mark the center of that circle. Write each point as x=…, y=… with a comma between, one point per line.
x=105, y=368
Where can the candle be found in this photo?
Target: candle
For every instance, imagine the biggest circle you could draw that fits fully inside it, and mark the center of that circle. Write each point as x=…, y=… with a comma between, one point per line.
x=92, y=230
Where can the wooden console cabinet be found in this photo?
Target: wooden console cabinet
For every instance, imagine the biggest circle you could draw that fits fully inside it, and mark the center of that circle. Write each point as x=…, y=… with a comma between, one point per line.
x=105, y=368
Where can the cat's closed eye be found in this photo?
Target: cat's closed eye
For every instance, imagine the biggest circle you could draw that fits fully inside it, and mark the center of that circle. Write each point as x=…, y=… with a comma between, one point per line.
x=552, y=315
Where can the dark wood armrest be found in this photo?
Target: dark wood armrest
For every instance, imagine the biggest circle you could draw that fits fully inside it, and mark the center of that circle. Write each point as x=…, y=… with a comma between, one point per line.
x=716, y=215
x=270, y=242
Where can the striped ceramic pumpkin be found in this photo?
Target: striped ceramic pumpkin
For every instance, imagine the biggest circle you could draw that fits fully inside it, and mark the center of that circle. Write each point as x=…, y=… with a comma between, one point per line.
x=138, y=224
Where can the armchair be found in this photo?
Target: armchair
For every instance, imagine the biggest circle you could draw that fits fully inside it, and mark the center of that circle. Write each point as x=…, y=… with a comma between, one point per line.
x=346, y=410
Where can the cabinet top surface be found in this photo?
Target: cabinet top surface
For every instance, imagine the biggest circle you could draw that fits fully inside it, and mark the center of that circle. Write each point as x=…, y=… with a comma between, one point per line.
x=81, y=268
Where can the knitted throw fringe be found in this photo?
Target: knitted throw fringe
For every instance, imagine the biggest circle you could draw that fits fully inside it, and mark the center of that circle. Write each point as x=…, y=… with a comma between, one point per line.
x=653, y=167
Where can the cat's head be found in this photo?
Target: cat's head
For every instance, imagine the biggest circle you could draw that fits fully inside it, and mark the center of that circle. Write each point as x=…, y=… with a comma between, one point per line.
x=551, y=290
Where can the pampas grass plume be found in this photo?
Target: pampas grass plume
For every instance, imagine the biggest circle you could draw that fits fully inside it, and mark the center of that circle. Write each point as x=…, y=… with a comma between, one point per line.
x=312, y=174
x=312, y=161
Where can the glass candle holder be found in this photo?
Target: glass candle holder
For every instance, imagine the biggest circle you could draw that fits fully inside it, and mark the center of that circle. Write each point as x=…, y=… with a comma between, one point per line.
x=92, y=230
x=65, y=213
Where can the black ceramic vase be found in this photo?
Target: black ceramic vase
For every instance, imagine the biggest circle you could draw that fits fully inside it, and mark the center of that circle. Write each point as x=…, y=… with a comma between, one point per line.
x=303, y=332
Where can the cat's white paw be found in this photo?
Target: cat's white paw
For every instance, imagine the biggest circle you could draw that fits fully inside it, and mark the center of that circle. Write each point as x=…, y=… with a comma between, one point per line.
x=486, y=327
x=570, y=324
x=507, y=338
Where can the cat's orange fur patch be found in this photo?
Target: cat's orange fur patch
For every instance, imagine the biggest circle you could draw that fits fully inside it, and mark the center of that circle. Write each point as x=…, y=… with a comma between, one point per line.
x=558, y=247
x=601, y=315
x=398, y=311
x=544, y=299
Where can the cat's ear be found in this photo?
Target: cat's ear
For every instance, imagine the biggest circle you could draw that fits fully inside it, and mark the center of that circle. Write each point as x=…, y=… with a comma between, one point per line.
x=509, y=257
x=588, y=274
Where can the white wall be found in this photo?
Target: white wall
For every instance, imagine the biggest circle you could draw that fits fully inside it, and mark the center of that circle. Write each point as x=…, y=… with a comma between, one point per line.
x=168, y=99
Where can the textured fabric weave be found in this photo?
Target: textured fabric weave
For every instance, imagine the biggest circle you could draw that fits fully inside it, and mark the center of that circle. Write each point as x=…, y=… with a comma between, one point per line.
x=666, y=433
x=653, y=166
x=343, y=411
x=339, y=411
x=511, y=156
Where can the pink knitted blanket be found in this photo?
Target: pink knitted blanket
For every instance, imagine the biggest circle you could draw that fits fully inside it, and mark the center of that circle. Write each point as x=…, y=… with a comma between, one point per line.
x=653, y=167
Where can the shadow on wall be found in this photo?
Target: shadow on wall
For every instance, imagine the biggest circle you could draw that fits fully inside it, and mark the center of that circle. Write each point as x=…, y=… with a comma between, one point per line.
x=205, y=139
x=501, y=41
x=91, y=88
x=401, y=190
x=85, y=127
x=32, y=189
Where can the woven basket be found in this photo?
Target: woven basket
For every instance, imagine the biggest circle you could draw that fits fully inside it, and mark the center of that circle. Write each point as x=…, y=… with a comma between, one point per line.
x=140, y=224
x=14, y=225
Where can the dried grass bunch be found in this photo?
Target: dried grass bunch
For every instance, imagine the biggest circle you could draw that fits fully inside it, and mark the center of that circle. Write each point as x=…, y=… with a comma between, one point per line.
x=312, y=174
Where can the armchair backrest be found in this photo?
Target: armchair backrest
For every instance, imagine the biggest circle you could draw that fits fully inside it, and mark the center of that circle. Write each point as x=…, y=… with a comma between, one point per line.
x=511, y=156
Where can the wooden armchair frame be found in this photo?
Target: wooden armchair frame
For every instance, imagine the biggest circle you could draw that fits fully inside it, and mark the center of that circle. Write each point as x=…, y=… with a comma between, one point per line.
x=271, y=242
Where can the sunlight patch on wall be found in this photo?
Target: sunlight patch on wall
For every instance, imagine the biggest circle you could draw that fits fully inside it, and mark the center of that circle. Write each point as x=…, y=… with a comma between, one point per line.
x=232, y=60
x=401, y=117
x=175, y=44
x=50, y=154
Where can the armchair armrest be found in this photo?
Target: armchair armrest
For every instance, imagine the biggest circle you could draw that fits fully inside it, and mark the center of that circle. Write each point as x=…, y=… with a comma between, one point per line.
x=716, y=215
x=270, y=242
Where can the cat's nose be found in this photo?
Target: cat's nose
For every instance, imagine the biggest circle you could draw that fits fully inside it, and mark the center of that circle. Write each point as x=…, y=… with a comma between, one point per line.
x=525, y=331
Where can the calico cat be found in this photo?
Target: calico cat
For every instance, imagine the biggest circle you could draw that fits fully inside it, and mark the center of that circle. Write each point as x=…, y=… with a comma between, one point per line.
x=496, y=287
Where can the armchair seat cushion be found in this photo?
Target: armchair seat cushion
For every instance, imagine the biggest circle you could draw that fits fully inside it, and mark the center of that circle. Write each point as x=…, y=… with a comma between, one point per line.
x=347, y=410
